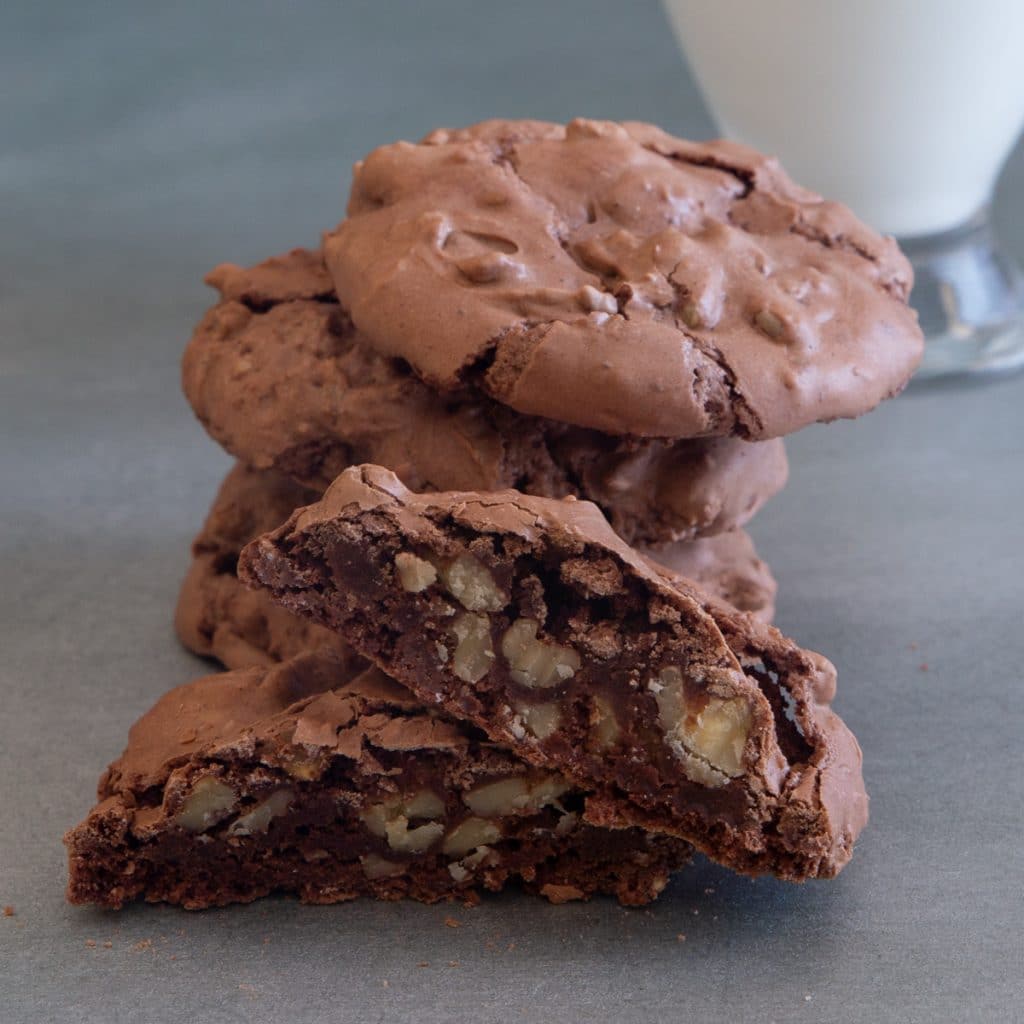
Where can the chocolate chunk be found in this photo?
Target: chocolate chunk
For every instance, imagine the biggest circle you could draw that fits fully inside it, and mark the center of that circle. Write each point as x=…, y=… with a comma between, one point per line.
x=530, y=619
x=218, y=617
x=617, y=278
x=279, y=376
x=298, y=780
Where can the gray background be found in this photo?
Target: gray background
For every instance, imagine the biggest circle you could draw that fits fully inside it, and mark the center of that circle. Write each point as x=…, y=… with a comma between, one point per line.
x=139, y=147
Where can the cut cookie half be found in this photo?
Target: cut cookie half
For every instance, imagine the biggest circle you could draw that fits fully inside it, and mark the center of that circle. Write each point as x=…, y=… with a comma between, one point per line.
x=292, y=780
x=532, y=620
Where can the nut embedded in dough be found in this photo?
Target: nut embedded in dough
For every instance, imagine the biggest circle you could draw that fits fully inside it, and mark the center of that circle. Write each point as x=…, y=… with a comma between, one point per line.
x=473, y=655
x=414, y=573
x=210, y=801
x=709, y=740
x=537, y=663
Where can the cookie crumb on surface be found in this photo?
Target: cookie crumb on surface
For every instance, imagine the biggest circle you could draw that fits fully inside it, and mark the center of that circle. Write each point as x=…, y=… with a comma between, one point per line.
x=451, y=922
x=8, y=911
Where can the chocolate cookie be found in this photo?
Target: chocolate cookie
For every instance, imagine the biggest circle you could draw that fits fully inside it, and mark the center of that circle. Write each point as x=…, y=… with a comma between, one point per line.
x=726, y=567
x=294, y=780
x=278, y=376
x=219, y=617
x=614, y=277
x=529, y=618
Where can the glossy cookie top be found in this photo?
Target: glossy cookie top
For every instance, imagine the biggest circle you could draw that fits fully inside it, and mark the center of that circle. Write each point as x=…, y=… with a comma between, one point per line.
x=612, y=276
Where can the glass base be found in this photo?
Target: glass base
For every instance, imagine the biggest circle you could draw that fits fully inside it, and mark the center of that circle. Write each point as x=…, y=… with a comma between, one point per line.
x=969, y=295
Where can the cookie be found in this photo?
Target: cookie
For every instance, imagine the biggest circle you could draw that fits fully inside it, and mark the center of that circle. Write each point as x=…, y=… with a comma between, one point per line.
x=530, y=619
x=617, y=278
x=219, y=617
x=280, y=378
x=726, y=567
x=296, y=780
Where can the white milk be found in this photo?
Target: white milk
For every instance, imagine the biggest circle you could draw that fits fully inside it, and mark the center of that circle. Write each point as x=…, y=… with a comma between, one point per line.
x=903, y=109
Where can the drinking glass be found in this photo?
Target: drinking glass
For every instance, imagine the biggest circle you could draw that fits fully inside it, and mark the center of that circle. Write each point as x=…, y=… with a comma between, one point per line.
x=905, y=110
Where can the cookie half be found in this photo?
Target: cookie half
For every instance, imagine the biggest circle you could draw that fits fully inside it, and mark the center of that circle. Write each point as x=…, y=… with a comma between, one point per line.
x=217, y=616
x=530, y=619
x=297, y=780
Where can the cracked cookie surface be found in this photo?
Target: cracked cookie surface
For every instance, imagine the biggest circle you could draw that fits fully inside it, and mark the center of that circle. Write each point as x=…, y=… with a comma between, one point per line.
x=218, y=617
x=617, y=278
x=279, y=376
x=529, y=618
x=306, y=779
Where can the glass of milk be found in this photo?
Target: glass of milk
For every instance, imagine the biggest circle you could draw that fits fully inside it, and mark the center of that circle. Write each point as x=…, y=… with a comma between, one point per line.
x=903, y=109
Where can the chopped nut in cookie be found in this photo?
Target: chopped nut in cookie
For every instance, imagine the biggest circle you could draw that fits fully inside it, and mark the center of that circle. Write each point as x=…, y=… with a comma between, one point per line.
x=514, y=795
x=392, y=820
x=473, y=655
x=709, y=739
x=472, y=585
x=259, y=818
x=639, y=680
x=536, y=663
x=242, y=817
x=469, y=834
x=415, y=573
x=210, y=801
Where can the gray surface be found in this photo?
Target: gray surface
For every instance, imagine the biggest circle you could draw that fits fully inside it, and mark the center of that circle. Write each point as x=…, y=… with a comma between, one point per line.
x=138, y=149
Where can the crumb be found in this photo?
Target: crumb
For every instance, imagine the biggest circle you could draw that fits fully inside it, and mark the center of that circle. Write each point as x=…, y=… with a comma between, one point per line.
x=453, y=963
x=173, y=957
x=8, y=911
x=109, y=945
x=807, y=998
x=923, y=667
x=709, y=891
x=423, y=963
x=385, y=983
x=696, y=912
x=680, y=937
x=562, y=893
x=142, y=945
x=451, y=922
x=91, y=943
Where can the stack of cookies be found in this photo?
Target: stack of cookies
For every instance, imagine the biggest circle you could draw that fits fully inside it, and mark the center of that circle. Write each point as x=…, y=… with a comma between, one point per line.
x=479, y=574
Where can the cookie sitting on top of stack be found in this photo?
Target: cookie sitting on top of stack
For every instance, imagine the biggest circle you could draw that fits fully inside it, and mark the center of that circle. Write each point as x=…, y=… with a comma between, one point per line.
x=594, y=311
